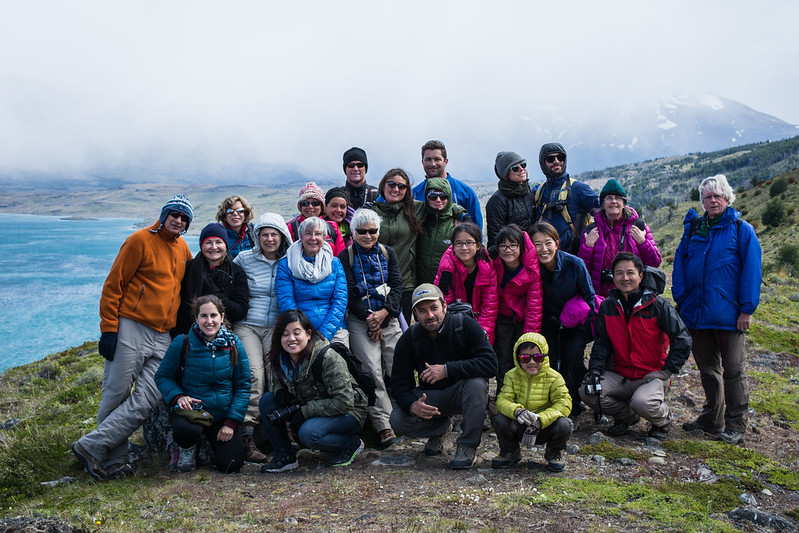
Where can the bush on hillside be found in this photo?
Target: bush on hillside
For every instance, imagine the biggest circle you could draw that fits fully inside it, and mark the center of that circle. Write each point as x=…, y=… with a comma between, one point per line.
x=775, y=213
x=778, y=187
x=788, y=256
x=754, y=181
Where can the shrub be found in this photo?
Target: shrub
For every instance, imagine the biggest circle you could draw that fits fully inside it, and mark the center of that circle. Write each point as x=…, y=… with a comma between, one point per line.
x=788, y=256
x=694, y=195
x=740, y=189
x=754, y=181
x=775, y=214
x=778, y=187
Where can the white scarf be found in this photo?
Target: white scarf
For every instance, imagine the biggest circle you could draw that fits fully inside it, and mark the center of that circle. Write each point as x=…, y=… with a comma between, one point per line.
x=310, y=271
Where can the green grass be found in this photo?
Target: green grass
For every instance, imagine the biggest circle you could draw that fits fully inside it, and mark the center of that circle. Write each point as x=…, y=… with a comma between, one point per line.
x=611, y=451
x=776, y=394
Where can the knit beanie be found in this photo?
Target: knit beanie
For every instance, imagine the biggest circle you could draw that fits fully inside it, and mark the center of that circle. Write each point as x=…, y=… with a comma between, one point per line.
x=214, y=229
x=311, y=191
x=179, y=203
x=547, y=149
x=355, y=154
x=337, y=192
x=504, y=161
x=612, y=187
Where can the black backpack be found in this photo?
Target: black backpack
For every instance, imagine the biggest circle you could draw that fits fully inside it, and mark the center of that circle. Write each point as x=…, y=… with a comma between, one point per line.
x=365, y=380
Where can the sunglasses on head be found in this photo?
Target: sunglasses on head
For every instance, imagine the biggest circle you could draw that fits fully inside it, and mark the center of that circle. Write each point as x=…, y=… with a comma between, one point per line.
x=517, y=168
x=355, y=165
x=180, y=216
x=527, y=357
x=553, y=157
x=436, y=195
x=364, y=231
x=398, y=185
x=240, y=211
x=313, y=203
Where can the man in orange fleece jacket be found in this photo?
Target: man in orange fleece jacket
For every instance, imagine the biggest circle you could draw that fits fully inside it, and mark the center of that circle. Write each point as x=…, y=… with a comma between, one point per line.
x=138, y=307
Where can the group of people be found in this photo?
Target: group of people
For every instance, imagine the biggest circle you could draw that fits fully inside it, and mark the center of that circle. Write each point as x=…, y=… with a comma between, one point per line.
x=277, y=323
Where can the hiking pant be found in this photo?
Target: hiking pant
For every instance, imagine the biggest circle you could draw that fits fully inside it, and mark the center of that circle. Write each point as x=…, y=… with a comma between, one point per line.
x=507, y=332
x=257, y=342
x=510, y=433
x=567, y=355
x=138, y=354
x=624, y=399
x=228, y=456
x=467, y=396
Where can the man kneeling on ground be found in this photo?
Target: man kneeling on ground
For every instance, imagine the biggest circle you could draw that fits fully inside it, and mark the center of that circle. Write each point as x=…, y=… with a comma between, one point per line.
x=453, y=359
x=534, y=405
x=634, y=328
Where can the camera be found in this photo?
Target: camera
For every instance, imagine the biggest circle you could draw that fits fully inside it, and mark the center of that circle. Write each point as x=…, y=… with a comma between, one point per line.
x=594, y=386
x=607, y=275
x=282, y=413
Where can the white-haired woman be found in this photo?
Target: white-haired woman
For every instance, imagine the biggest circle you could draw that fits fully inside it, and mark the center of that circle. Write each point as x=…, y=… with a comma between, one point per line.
x=717, y=274
x=310, y=278
x=374, y=284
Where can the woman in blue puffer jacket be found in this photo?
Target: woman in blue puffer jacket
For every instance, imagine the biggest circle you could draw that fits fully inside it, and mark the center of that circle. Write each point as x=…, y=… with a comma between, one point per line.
x=311, y=278
x=214, y=376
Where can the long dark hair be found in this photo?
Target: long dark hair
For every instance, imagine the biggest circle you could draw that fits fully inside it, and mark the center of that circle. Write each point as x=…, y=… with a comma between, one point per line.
x=512, y=233
x=286, y=318
x=214, y=300
x=473, y=231
x=407, y=201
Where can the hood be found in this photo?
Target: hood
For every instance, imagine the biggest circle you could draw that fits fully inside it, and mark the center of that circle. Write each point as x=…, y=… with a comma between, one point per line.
x=538, y=340
x=548, y=148
x=690, y=215
x=269, y=220
x=654, y=279
x=440, y=184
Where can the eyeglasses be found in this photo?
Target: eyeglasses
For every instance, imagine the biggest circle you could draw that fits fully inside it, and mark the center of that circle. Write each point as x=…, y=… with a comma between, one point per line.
x=180, y=216
x=436, y=195
x=239, y=211
x=508, y=247
x=463, y=244
x=314, y=203
x=364, y=231
x=517, y=168
x=527, y=357
x=356, y=164
x=392, y=184
x=313, y=234
x=552, y=158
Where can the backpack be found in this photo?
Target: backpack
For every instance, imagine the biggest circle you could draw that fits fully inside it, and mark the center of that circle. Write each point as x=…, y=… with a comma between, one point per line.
x=365, y=380
x=694, y=224
x=351, y=252
x=562, y=205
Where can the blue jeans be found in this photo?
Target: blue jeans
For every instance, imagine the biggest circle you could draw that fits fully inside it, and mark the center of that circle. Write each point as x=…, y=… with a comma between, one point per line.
x=324, y=433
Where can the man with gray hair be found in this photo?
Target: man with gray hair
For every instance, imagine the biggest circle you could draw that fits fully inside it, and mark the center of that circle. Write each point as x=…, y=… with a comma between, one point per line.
x=138, y=307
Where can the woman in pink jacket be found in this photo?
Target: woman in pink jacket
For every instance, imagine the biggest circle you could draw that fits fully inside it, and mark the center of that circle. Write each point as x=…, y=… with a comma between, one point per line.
x=518, y=292
x=617, y=228
x=465, y=273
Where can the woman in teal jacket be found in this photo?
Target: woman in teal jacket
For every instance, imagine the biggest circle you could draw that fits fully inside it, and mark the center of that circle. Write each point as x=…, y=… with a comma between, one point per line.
x=214, y=376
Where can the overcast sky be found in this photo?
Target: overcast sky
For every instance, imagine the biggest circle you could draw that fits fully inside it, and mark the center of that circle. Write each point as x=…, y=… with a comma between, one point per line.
x=88, y=84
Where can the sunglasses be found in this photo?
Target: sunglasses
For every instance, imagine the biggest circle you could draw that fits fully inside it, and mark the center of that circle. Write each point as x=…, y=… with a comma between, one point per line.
x=370, y=231
x=180, y=216
x=392, y=184
x=239, y=211
x=356, y=165
x=527, y=357
x=313, y=203
x=552, y=158
x=436, y=195
x=517, y=168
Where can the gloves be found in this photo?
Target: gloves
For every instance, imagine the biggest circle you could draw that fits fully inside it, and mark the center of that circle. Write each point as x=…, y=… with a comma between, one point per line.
x=589, y=378
x=665, y=375
x=524, y=416
x=284, y=399
x=108, y=344
x=445, y=282
x=528, y=439
x=296, y=421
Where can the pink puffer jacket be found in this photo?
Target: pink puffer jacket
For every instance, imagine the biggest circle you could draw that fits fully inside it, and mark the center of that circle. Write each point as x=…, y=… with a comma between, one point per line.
x=522, y=295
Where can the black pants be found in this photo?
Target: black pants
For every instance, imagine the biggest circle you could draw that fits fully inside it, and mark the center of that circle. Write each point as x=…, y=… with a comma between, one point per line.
x=510, y=433
x=228, y=456
x=567, y=355
x=406, y=307
x=507, y=332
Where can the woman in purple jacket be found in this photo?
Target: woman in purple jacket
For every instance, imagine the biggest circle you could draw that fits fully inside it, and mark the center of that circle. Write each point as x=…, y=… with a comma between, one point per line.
x=617, y=228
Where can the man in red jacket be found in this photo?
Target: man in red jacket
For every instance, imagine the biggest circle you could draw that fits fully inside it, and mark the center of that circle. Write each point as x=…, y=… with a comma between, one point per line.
x=634, y=329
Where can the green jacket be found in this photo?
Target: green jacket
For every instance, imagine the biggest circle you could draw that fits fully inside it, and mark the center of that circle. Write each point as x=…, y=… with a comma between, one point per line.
x=336, y=394
x=545, y=394
x=395, y=231
x=438, y=227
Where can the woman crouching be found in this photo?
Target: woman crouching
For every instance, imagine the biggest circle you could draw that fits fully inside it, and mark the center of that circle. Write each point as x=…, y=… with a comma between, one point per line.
x=533, y=406
x=314, y=392
x=205, y=379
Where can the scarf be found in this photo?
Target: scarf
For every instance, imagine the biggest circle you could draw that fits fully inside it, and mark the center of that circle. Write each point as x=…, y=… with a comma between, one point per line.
x=514, y=189
x=312, y=270
x=224, y=338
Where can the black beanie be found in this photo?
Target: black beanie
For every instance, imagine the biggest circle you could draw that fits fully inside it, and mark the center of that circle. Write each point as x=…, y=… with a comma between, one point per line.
x=550, y=148
x=355, y=154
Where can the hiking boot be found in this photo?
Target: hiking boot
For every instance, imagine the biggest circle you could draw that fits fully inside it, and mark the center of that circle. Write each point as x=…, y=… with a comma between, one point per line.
x=346, y=457
x=464, y=457
x=187, y=461
x=89, y=462
x=555, y=461
x=696, y=426
x=435, y=445
x=119, y=470
x=507, y=459
x=387, y=438
x=730, y=436
x=659, y=432
x=251, y=453
x=620, y=427
x=281, y=463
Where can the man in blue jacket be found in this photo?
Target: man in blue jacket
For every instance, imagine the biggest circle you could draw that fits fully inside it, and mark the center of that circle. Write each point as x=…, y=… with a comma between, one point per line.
x=716, y=278
x=434, y=161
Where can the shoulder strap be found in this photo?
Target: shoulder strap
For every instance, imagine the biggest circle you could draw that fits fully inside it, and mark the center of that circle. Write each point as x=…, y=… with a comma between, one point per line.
x=331, y=232
x=351, y=255
x=316, y=367
x=693, y=225
x=184, y=352
x=383, y=251
x=295, y=228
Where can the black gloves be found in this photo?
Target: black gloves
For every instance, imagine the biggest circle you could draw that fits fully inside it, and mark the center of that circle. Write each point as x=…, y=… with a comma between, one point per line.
x=107, y=345
x=296, y=421
x=284, y=399
x=445, y=282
